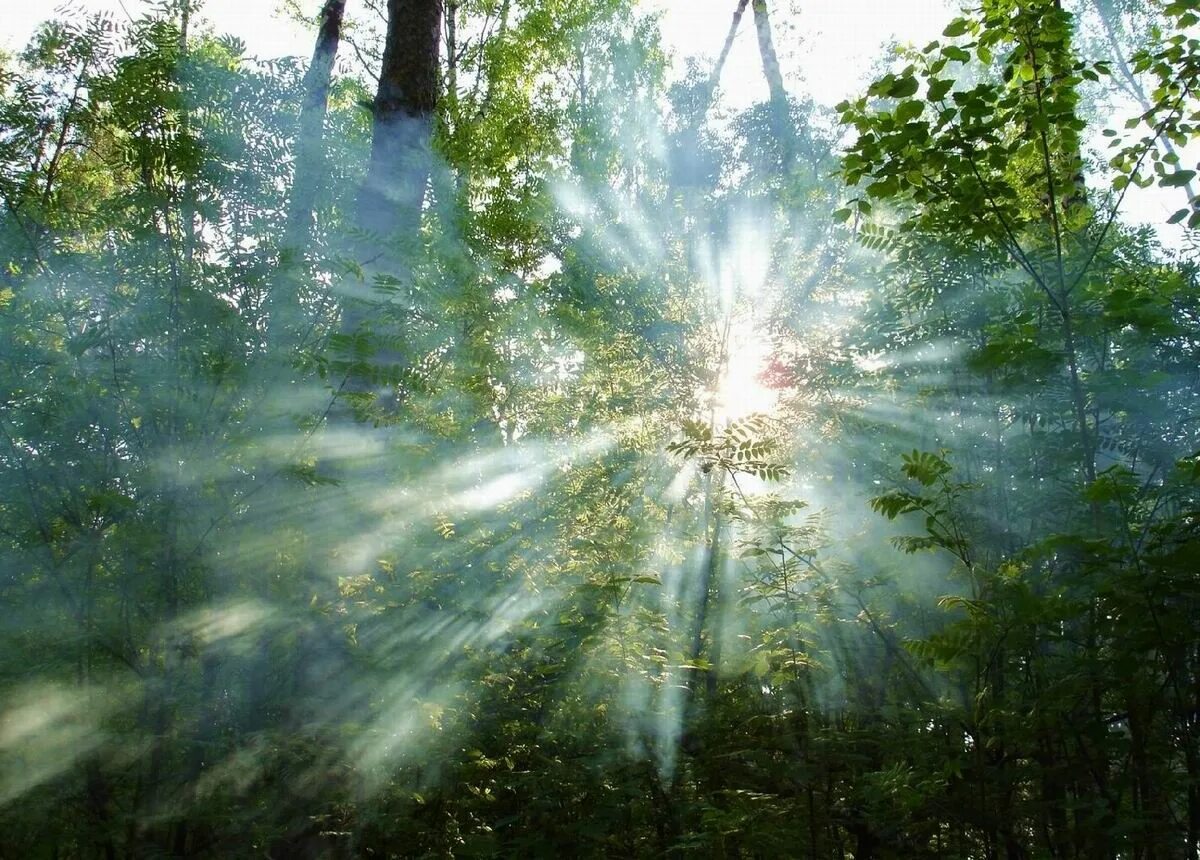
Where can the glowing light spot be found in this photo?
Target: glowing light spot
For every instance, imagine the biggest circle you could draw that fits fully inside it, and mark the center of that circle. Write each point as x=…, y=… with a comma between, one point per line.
x=741, y=390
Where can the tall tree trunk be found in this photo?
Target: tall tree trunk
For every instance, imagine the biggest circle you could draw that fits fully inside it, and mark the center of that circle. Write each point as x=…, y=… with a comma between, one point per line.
x=452, y=51
x=391, y=198
x=715, y=77
x=1110, y=20
x=306, y=178
x=686, y=169
x=780, y=118
x=781, y=125
x=311, y=125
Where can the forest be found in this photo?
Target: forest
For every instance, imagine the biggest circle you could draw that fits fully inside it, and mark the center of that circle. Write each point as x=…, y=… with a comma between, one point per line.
x=484, y=437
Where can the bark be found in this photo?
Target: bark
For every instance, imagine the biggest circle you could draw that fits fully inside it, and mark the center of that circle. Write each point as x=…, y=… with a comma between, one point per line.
x=715, y=78
x=311, y=125
x=780, y=118
x=309, y=170
x=187, y=194
x=780, y=111
x=452, y=51
x=392, y=195
x=1111, y=23
x=687, y=164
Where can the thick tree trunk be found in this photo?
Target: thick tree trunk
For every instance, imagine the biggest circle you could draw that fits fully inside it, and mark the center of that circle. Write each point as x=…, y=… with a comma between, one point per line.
x=392, y=195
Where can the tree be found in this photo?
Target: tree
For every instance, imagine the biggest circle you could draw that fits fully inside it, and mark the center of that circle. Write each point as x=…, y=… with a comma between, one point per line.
x=311, y=125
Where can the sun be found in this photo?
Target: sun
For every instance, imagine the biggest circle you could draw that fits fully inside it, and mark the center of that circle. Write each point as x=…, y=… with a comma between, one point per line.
x=741, y=390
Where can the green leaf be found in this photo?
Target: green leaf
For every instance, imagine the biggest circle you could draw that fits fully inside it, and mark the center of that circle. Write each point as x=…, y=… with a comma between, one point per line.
x=903, y=87
x=957, y=27
x=956, y=54
x=884, y=188
x=1178, y=179
x=909, y=110
x=938, y=89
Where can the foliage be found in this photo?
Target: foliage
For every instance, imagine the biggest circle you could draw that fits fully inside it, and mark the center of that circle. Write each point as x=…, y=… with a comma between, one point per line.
x=505, y=568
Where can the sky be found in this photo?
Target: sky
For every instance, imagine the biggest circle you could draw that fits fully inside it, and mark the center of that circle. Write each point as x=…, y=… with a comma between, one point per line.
x=255, y=21
x=832, y=45
x=827, y=51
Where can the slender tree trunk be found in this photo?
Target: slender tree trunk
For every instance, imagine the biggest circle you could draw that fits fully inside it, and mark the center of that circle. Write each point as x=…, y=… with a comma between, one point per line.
x=452, y=51
x=708, y=576
x=715, y=77
x=1133, y=86
x=187, y=193
x=686, y=169
x=781, y=125
x=311, y=125
x=309, y=170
